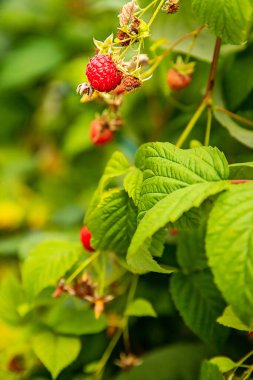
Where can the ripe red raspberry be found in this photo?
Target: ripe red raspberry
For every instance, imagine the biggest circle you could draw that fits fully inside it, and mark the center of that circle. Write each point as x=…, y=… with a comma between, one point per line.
x=100, y=132
x=177, y=80
x=102, y=73
x=85, y=237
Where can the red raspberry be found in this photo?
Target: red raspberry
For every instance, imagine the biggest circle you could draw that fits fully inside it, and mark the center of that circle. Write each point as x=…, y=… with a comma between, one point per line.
x=85, y=237
x=102, y=73
x=178, y=81
x=100, y=133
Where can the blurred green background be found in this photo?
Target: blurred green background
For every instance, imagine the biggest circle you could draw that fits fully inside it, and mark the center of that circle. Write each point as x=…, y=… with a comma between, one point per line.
x=48, y=166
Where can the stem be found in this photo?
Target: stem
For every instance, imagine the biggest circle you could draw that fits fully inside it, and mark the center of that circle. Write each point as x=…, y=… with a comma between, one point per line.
x=234, y=116
x=194, y=33
x=82, y=267
x=130, y=297
x=208, y=126
x=155, y=13
x=191, y=124
x=108, y=352
x=211, y=79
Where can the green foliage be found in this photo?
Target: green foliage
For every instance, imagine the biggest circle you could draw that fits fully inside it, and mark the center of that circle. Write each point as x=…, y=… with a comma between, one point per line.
x=55, y=351
x=140, y=308
x=113, y=222
x=229, y=245
x=169, y=209
x=47, y=263
x=224, y=364
x=228, y=20
x=229, y=319
x=200, y=303
x=165, y=363
x=210, y=371
x=72, y=317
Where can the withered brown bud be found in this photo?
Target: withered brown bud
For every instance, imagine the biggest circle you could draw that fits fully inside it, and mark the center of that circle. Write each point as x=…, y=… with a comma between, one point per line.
x=130, y=83
x=171, y=6
x=123, y=37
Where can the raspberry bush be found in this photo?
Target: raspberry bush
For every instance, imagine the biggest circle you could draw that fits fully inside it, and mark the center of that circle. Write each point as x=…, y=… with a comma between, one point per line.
x=157, y=279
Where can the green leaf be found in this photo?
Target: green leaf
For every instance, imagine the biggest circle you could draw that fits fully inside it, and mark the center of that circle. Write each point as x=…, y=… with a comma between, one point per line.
x=140, y=308
x=167, y=168
x=229, y=245
x=47, y=263
x=243, y=170
x=73, y=317
x=165, y=364
x=200, y=303
x=56, y=352
x=116, y=167
x=229, y=20
x=225, y=364
x=113, y=222
x=229, y=319
x=210, y=371
x=11, y=296
x=243, y=135
x=169, y=209
x=191, y=254
x=132, y=184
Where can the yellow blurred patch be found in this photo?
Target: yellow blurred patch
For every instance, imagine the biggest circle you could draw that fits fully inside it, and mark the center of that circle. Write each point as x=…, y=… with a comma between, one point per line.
x=11, y=215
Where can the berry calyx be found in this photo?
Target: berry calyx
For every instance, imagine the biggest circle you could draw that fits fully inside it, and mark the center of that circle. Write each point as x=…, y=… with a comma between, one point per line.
x=100, y=132
x=102, y=73
x=85, y=238
x=178, y=81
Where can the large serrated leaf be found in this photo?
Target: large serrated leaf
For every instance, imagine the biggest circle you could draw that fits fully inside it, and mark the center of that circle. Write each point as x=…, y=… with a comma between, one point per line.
x=167, y=168
x=191, y=254
x=113, y=222
x=229, y=20
x=48, y=262
x=200, y=303
x=56, y=352
x=229, y=245
x=169, y=209
x=132, y=184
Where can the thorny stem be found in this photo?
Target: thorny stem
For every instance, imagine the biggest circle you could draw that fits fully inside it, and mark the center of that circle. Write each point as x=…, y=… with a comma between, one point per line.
x=207, y=100
x=234, y=116
x=82, y=267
